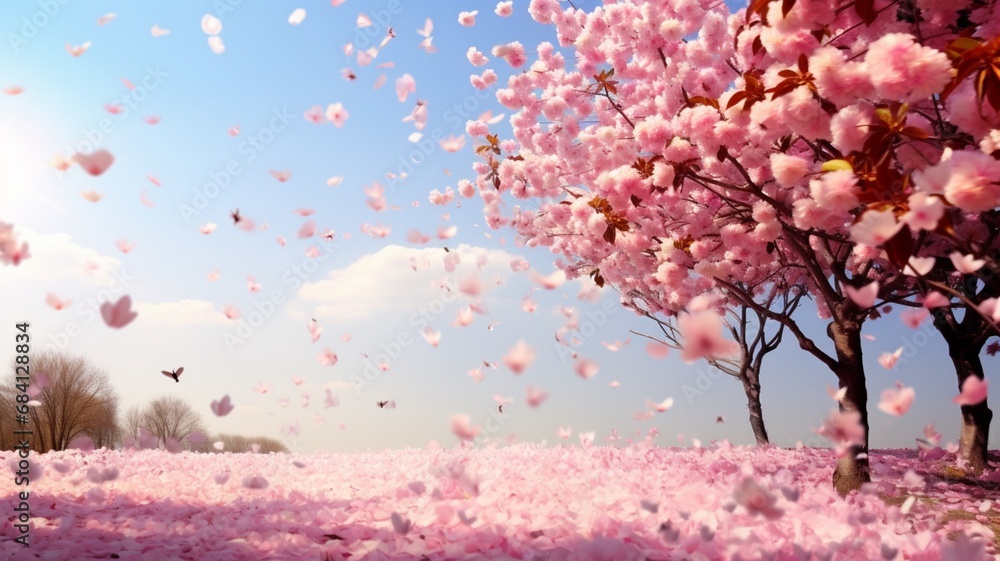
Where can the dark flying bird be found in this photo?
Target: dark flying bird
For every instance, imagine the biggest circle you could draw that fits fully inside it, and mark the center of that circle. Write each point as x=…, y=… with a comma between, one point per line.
x=236, y=216
x=382, y=404
x=175, y=374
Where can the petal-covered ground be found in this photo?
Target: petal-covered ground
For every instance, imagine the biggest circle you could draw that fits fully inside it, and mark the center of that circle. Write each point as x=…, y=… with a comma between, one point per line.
x=520, y=502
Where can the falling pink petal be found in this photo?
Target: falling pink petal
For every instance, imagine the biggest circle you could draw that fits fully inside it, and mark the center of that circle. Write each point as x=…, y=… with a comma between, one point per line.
x=405, y=85
x=315, y=330
x=231, y=312
x=327, y=357
x=337, y=115
x=585, y=368
x=207, y=228
x=124, y=245
x=92, y=196
x=222, y=407
x=432, y=337
x=935, y=299
x=57, y=303
x=914, y=317
x=157, y=31
x=144, y=200
x=314, y=114
x=919, y=266
x=281, y=176
x=657, y=350
x=252, y=285
x=896, y=401
x=462, y=427
x=152, y=119
x=215, y=43
x=519, y=357
x=661, y=406
x=234, y=131
x=966, y=264
x=974, y=391
x=865, y=296
x=468, y=19
x=213, y=275
x=619, y=345
x=13, y=90
x=96, y=162
x=297, y=16
x=307, y=230
x=550, y=282
x=535, y=396
x=119, y=314
x=888, y=360
x=363, y=21
x=78, y=50
x=211, y=25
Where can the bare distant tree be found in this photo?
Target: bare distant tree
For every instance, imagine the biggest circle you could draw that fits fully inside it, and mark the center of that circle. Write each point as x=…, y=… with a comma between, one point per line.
x=239, y=443
x=131, y=422
x=78, y=400
x=170, y=417
x=104, y=427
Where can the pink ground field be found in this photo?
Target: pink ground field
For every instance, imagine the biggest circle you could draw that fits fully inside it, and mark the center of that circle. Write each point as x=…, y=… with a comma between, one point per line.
x=517, y=502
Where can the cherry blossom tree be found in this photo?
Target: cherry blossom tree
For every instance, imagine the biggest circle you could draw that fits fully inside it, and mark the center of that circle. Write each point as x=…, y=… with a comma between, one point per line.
x=692, y=151
x=749, y=329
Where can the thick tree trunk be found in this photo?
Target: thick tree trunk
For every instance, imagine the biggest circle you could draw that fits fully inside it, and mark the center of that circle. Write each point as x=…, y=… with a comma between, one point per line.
x=751, y=386
x=965, y=342
x=852, y=471
x=974, y=441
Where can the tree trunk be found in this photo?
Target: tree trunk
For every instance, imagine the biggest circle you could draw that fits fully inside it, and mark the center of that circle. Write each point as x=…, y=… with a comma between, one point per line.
x=974, y=441
x=751, y=386
x=852, y=471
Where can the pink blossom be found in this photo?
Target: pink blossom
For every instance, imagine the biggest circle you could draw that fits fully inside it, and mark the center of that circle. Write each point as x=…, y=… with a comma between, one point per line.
x=788, y=170
x=476, y=57
x=966, y=178
x=513, y=53
x=504, y=9
x=902, y=70
x=468, y=19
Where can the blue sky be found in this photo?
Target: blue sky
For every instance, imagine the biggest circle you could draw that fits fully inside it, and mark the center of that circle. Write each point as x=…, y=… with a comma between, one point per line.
x=362, y=286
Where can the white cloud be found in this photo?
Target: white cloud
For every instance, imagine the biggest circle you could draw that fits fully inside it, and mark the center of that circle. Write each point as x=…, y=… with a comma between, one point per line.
x=183, y=312
x=55, y=258
x=384, y=281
